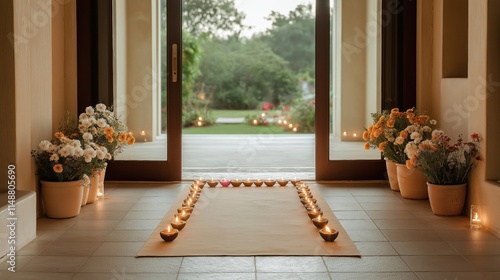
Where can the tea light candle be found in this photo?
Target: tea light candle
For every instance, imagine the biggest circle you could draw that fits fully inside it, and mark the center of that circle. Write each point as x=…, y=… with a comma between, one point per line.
x=236, y=183
x=248, y=182
x=169, y=234
x=258, y=183
x=270, y=182
x=202, y=181
x=224, y=182
x=178, y=223
x=314, y=213
x=320, y=222
x=188, y=203
x=183, y=215
x=185, y=209
x=282, y=182
x=212, y=183
x=314, y=207
x=475, y=217
x=328, y=234
x=294, y=181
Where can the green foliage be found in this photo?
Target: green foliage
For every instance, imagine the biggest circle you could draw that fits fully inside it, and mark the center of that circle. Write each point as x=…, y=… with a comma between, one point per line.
x=212, y=18
x=245, y=73
x=191, y=55
x=292, y=38
x=303, y=116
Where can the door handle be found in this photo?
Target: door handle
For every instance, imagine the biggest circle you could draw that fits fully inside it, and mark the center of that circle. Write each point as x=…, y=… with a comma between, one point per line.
x=174, y=63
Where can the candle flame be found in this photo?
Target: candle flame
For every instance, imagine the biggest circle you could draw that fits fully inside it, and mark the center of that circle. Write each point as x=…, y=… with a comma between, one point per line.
x=476, y=216
x=169, y=228
x=183, y=213
x=327, y=229
x=319, y=217
x=176, y=219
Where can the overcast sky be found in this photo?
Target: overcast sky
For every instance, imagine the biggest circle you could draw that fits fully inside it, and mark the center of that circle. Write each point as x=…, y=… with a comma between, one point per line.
x=257, y=10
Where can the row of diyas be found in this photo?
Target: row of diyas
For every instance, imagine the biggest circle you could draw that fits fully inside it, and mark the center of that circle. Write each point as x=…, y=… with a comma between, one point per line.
x=314, y=212
x=249, y=182
x=183, y=212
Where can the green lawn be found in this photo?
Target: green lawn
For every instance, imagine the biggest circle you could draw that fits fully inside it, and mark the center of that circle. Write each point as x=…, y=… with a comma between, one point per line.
x=234, y=113
x=235, y=129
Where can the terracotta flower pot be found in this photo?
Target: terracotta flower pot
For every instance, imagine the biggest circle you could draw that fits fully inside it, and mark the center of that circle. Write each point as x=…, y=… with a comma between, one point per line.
x=62, y=199
x=412, y=182
x=447, y=200
x=392, y=174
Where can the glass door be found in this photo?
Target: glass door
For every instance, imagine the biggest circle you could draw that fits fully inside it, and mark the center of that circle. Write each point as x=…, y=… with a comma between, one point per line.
x=348, y=80
x=147, y=88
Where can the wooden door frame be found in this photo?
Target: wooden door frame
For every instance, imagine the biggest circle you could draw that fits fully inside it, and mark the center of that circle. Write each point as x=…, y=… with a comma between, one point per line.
x=94, y=16
x=398, y=85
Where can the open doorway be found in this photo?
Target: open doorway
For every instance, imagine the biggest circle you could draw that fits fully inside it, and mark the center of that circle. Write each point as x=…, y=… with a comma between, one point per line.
x=248, y=89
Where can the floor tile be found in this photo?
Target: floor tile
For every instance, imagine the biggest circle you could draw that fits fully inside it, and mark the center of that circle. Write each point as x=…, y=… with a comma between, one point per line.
x=382, y=206
x=103, y=215
x=374, y=275
x=84, y=235
x=94, y=225
x=439, y=263
x=26, y=275
x=35, y=247
x=413, y=248
x=123, y=275
x=366, y=235
x=54, y=264
x=145, y=215
x=151, y=206
x=477, y=247
x=216, y=276
x=122, y=249
x=486, y=263
x=376, y=248
x=217, y=264
x=390, y=214
x=450, y=275
x=128, y=235
x=351, y=215
x=71, y=248
x=466, y=234
x=366, y=264
x=399, y=224
x=290, y=264
x=358, y=224
x=293, y=276
x=395, y=235
x=125, y=265
x=491, y=275
x=137, y=225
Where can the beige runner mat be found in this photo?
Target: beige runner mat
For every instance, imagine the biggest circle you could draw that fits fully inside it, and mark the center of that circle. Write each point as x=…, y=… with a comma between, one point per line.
x=249, y=221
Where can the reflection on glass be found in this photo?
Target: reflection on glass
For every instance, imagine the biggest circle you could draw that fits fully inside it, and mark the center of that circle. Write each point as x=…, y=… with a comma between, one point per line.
x=140, y=84
x=355, y=81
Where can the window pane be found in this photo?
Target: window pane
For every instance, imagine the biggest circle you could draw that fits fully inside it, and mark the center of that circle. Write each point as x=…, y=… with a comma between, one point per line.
x=355, y=81
x=140, y=91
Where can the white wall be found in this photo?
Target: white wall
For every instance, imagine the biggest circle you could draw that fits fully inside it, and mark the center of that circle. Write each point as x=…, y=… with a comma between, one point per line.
x=462, y=105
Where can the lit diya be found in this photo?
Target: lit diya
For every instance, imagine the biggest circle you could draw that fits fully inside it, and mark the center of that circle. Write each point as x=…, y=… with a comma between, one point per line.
x=320, y=222
x=178, y=223
x=328, y=234
x=169, y=234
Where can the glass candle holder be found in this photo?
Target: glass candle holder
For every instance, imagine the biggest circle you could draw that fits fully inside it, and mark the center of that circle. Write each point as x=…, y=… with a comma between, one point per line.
x=475, y=217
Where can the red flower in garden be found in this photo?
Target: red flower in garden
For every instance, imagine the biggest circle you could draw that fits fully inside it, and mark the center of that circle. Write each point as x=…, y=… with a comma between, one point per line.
x=267, y=106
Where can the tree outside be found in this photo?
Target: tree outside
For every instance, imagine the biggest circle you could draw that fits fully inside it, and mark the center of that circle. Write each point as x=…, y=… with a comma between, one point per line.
x=271, y=72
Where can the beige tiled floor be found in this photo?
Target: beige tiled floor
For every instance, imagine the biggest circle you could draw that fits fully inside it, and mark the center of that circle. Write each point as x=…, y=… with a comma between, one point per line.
x=398, y=239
